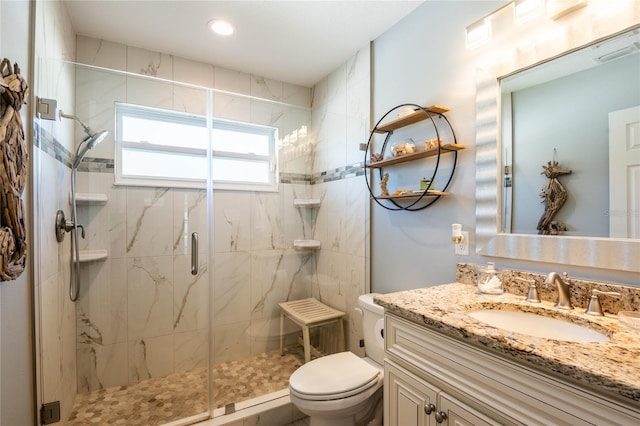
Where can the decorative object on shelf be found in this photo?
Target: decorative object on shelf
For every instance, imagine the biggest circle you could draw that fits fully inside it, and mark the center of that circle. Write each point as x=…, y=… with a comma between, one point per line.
x=13, y=172
x=376, y=157
x=425, y=184
x=384, y=192
x=406, y=150
x=403, y=148
x=554, y=196
x=431, y=144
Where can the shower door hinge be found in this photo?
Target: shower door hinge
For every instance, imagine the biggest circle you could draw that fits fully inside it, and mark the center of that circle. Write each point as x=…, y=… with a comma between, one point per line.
x=50, y=413
x=47, y=108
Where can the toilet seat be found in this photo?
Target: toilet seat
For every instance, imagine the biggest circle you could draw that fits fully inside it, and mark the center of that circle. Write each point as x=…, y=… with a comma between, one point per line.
x=333, y=377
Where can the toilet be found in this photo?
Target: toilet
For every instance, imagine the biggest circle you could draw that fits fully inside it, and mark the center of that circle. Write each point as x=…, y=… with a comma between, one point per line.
x=343, y=389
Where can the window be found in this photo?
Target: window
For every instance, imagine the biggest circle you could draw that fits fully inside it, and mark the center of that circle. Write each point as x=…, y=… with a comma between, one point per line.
x=166, y=148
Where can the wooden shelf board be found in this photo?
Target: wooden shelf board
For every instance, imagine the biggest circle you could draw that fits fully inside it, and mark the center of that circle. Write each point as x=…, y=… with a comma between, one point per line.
x=408, y=119
x=416, y=155
x=414, y=194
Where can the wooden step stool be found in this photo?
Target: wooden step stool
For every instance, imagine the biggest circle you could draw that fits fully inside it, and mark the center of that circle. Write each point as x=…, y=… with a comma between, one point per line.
x=309, y=313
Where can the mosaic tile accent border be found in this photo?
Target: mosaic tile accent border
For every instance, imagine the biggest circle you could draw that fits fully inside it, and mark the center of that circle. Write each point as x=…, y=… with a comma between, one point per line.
x=50, y=145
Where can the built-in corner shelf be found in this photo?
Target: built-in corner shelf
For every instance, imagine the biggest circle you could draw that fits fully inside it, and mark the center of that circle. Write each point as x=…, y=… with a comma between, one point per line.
x=92, y=255
x=306, y=244
x=86, y=199
x=306, y=203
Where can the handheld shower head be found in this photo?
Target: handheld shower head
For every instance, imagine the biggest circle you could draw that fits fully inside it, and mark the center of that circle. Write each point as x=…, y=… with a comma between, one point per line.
x=93, y=138
x=87, y=144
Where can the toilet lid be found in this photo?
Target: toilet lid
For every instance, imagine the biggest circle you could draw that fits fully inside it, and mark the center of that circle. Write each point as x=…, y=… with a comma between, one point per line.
x=333, y=376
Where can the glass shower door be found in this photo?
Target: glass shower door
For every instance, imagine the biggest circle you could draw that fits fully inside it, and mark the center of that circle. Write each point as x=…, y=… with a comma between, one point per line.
x=140, y=351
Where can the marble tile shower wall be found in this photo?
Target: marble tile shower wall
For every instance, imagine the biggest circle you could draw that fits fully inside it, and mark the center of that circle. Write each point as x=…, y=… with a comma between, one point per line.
x=340, y=117
x=142, y=300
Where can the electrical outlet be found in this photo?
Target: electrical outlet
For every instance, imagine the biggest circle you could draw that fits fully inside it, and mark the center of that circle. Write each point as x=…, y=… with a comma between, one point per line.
x=462, y=248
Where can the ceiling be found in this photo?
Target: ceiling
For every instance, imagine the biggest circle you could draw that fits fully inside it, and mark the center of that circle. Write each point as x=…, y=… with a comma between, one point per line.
x=298, y=42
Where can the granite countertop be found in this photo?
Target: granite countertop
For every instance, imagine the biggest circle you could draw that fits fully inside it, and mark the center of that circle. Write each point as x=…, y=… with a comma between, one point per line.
x=612, y=367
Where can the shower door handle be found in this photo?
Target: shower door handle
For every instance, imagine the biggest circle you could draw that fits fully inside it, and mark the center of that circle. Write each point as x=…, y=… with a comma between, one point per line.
x=194, y=253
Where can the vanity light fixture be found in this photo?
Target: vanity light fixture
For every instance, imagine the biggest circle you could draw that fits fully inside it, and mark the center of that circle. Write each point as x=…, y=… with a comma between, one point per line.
x=556, y=9
x=526, y=10
x=221, y=27
x=478, y=33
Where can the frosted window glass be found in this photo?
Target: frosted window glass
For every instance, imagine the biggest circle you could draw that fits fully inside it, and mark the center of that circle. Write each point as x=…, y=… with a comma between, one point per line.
x=136, y=129
x=235, y=170
x=147, y=163
x=240, y=142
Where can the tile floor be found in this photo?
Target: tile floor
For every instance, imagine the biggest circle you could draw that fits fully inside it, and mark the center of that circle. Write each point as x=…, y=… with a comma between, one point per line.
x=161, y=400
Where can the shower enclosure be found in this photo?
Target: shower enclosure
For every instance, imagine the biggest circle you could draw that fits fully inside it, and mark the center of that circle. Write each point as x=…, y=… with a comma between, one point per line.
x=154, y=338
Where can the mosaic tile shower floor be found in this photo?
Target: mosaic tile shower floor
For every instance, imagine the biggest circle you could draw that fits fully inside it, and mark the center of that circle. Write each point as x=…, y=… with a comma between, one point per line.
x=165, y=399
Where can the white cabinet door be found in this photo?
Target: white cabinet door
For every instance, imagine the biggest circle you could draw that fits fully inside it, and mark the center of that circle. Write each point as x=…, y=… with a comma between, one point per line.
x=407, y=398
x=459, y=414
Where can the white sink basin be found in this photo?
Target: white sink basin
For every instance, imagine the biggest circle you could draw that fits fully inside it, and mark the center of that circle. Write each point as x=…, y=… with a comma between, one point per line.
x=538, y=326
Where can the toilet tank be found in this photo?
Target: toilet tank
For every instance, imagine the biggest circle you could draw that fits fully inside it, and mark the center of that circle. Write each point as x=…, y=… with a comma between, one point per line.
x=372, y=327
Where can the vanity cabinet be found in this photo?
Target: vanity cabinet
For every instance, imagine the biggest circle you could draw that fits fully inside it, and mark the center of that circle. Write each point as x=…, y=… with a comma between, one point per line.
x=472, y=386
x=441, y=140
x=410, y=400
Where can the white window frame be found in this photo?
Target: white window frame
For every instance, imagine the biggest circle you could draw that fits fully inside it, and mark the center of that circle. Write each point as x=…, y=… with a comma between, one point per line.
x=124, y=109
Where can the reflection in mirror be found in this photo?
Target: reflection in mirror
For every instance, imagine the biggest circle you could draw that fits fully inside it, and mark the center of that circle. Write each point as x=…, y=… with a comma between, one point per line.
x=583, y=111
x=603, y=253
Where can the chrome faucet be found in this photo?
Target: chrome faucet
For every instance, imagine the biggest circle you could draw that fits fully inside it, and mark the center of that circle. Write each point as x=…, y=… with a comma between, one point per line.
x=564, y=291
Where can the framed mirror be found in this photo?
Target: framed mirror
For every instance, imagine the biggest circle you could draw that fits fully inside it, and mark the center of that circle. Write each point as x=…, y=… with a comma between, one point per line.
x=587, y=243
x=580, y=111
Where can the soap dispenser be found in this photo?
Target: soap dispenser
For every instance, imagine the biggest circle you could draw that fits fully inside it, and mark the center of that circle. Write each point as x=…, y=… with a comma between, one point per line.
x=489, y=280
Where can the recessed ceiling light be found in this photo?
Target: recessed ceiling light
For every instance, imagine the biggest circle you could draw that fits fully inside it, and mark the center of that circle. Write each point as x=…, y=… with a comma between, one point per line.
x=221, y=27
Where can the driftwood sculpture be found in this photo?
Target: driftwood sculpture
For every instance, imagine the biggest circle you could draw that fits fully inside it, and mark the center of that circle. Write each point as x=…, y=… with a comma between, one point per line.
x=554, y=196
x=14, y=161
x=384, y=192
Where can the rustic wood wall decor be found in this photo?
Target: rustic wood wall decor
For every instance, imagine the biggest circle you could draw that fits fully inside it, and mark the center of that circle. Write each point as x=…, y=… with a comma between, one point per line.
x=14, y=162
x=554, y=196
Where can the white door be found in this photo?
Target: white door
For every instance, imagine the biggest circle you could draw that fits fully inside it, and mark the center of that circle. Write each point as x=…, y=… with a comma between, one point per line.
x=624, y=173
